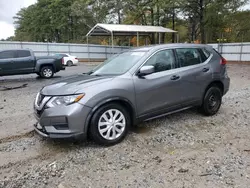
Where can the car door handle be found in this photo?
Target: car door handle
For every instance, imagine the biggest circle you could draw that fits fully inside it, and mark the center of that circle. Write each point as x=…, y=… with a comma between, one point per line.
x=175, y=77
x=205, y=70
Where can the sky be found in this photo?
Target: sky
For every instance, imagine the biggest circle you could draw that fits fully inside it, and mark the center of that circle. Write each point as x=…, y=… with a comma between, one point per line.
x=9, y=8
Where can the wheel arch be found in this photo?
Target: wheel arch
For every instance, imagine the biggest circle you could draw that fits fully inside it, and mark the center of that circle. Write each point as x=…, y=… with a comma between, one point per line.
x=216, y=83
x=121, y=101
x=44, y=65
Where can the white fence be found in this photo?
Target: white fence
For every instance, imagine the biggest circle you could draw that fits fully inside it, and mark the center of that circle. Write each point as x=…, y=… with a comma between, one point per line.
x=231, y=51
x=83, y=51
x=234, y=51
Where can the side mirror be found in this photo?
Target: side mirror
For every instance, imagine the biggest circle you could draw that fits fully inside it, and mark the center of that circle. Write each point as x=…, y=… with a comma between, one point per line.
x=146, y=70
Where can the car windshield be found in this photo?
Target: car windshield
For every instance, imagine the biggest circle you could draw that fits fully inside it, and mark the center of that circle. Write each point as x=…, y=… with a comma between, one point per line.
x=118, y=64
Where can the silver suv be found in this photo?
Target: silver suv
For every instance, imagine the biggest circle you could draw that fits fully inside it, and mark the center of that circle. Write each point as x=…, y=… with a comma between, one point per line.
x=133, y=86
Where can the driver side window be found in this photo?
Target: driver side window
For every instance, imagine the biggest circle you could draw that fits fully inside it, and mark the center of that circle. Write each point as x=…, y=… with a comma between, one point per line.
x=162, y=61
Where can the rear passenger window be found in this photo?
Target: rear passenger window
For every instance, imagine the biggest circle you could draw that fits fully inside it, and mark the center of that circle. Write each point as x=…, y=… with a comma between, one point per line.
x=7, y=54
x=23, y=53
x=188, y=56
x=206, y=52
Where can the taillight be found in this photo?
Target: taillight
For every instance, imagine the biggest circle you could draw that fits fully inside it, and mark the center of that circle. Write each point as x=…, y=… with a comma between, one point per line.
x=63, y=61
x=76, y=58
x=223, y=61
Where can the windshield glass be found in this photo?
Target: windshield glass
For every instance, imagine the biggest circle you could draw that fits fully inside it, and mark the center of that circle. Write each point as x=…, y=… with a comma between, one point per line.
x=118, y=64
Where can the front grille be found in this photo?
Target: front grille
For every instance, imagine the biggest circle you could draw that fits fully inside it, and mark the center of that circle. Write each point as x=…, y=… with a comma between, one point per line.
x=41, y=101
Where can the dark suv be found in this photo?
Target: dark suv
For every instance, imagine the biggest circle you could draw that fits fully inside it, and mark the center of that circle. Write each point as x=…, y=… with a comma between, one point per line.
x=133, y=86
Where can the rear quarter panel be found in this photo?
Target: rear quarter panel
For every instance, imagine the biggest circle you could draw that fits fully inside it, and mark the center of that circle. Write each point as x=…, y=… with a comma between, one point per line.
x=56, y=63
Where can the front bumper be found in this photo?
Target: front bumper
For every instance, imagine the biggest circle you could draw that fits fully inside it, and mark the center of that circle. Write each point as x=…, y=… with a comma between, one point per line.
x=62, y=121
x=76, y=62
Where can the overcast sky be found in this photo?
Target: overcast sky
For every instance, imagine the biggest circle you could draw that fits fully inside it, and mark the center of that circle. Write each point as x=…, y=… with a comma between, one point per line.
x=9, y=8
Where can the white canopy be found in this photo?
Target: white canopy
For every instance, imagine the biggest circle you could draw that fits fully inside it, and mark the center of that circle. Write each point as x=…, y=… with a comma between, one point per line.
x=126, y=30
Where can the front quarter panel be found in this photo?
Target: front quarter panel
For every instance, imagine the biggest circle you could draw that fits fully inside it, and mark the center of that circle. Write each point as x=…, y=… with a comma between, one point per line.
x=118, y=88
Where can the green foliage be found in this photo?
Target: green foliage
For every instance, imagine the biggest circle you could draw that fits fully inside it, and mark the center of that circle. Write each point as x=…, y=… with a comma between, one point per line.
x=70, y=20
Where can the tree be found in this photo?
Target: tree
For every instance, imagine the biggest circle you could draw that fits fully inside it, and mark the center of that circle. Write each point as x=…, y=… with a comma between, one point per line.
x=198, y=13
x=70, y=20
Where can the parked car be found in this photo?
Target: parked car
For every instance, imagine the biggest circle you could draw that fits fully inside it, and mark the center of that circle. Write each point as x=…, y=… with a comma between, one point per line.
x=68, y=60
x=20, y=61
x=133, y=86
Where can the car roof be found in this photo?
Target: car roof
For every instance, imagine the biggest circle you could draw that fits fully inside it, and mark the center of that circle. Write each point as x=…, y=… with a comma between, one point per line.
x=175, y=45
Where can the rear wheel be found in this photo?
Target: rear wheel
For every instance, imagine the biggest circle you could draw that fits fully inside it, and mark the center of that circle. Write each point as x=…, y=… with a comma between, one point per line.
x=69, y=63
x=47, y=72
x=109, y=124
x=212, y=101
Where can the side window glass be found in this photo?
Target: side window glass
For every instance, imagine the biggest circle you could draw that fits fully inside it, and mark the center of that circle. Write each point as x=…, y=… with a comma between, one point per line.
x=162, y=61
x=206, y=53
x=188, y=56
x=23, y=53
x=7, y=54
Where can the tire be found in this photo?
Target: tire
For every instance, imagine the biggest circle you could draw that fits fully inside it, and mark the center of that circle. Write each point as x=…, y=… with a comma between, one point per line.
x=47, y=72
x=108, y=133
x=69, y=63
x=212, y=101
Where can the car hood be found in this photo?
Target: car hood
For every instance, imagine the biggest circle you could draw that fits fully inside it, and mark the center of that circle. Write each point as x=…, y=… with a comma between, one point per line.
x=74, y=85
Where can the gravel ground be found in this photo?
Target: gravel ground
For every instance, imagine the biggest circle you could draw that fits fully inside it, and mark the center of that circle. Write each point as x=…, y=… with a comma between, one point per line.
x=182, y=150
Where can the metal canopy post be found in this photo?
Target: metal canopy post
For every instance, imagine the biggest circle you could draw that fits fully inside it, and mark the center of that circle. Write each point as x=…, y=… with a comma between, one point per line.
x=178, y=38
x=137, y=39
x=88, y=47
x=112, y=41
x=159, y=38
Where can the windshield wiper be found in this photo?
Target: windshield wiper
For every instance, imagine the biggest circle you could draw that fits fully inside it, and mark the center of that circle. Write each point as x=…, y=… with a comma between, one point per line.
x=96, y=75
x=88, y=73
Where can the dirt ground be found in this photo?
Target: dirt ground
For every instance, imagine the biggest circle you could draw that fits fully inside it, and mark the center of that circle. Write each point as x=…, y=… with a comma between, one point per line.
x=183, y=150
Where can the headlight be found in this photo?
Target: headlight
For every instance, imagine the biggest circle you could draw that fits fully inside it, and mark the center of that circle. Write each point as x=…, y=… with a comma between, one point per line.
x=64, y=100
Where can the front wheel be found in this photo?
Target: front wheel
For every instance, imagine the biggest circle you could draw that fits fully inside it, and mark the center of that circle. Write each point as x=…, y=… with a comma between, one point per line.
x=212, y=101
x=47, y=72
x=110, y=124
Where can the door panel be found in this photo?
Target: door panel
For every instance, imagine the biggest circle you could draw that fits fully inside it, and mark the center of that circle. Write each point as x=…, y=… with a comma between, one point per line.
x=161, y=89
x=7, y=62
x=194, y=79
x=195, y=74
x=24, y=63
x=157, y=91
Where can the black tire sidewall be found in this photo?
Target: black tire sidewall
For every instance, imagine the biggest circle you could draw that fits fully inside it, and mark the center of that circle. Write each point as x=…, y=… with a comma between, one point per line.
x=205, y=107
x=46, y=67
x=94, y=132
